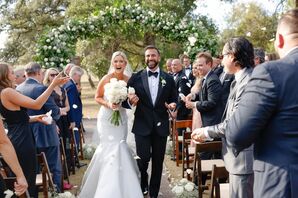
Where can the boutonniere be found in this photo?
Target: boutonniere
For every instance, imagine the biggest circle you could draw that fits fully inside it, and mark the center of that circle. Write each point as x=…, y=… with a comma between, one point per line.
x=163, y=81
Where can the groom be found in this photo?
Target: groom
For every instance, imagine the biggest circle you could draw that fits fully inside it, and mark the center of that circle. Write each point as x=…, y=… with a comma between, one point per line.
x=156, y=92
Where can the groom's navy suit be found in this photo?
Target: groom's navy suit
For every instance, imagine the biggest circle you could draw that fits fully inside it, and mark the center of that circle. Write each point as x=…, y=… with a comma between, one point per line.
x=151, y=125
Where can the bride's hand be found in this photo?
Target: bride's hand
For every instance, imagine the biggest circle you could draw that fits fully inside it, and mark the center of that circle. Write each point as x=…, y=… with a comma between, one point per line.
x=113, y=106
x=133, y=99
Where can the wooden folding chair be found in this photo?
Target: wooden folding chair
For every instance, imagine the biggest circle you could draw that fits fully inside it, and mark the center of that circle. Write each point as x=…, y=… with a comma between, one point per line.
x=82, y=140
x=219, y=190
x=180, y=124
x=63, y=163
x=44, y=180
x=205, y=166
x=9, y=181
x=187, y=152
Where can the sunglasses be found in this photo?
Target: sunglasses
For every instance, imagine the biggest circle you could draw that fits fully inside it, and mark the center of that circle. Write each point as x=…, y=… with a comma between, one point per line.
x=53, y=75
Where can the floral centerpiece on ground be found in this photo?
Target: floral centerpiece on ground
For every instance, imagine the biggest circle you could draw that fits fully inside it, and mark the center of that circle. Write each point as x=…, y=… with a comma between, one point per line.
x=88, y=150
x=117, y=92
x=185, y=189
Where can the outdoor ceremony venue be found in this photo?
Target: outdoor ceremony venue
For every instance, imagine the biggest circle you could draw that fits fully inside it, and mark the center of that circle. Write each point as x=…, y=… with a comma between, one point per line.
x=148, y=98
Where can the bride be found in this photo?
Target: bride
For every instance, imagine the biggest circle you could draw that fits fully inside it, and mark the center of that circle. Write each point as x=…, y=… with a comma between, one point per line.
x=113, y=171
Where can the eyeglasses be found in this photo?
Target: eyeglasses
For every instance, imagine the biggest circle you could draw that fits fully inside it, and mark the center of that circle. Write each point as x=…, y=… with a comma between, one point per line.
x=53, y=75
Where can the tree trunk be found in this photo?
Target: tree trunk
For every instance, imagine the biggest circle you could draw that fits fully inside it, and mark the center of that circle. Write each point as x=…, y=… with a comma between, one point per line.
x=90, y=80
x=149, y=39
x=296, y=3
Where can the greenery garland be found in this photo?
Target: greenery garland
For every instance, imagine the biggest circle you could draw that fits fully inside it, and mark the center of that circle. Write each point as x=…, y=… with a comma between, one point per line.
x=57, y=46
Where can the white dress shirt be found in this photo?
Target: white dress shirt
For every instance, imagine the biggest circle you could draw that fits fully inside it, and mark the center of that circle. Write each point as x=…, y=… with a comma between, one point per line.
x=153, y=84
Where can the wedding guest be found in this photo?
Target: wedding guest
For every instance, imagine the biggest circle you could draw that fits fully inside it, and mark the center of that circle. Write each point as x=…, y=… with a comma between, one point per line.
x=238, y=59
x=9, y=155
x=259, y=54
x=13, y=107
x=169, y=66
x=187, y=68
x=60, y=97
x=46, y=136
x=75, y=113
x=112, y=171
x=267, y=116
x=20, y=75
x=196, y=115
x=271, y=56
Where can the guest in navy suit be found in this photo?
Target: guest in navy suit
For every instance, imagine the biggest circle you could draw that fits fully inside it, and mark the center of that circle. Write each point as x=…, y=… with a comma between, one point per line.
x=46, y=136
x=75, y=113
x=267, y=116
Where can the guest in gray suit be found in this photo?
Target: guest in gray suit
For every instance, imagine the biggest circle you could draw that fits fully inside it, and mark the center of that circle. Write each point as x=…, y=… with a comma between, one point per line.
x=267, y=116
x=238, y=59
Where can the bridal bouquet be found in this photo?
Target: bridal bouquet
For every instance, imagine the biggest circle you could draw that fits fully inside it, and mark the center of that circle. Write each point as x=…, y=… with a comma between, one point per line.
x=116, y=92
x=185, y=188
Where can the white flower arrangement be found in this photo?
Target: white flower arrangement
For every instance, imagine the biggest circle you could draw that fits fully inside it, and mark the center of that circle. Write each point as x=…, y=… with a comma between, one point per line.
x=167, y=24
x=185, y=189
x=89, y=150
x=117, y=91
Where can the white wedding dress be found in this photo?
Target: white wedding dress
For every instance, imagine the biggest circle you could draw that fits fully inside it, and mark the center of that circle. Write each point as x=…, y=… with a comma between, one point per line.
x=113, y=171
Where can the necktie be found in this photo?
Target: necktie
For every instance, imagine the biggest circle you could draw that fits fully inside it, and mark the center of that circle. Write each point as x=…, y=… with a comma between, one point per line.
x=150, y=73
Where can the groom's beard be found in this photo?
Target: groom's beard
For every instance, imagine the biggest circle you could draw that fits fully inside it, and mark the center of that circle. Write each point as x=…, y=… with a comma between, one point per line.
x=152, y=64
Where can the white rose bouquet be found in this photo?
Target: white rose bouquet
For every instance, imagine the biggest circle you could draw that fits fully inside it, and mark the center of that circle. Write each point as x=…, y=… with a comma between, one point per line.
x=185, y=188
x=116, y=92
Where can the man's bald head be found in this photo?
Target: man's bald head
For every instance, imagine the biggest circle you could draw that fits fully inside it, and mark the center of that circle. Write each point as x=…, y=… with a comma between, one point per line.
x=287, y=33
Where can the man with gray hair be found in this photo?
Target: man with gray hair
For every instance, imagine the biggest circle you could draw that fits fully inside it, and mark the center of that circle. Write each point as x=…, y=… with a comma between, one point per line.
x=75, y=113
x=259, y=56
x=46, y=136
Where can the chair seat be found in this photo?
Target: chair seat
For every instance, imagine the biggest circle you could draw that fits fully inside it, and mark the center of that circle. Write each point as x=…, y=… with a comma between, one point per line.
x=207, y=164
x=224, y=190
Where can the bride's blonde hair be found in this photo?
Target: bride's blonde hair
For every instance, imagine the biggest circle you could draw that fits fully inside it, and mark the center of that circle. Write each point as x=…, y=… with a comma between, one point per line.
x=127, y=70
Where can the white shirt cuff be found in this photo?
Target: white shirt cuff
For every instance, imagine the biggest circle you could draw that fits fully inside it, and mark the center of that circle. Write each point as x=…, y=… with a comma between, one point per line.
x=208, y=138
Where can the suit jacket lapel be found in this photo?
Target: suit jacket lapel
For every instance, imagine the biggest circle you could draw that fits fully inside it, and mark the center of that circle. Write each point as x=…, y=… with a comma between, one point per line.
x=160, y=87
x=146, y=84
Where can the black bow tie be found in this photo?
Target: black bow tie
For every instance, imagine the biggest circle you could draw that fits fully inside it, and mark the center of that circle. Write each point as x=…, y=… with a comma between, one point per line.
x=187, y=68
x=150, y=73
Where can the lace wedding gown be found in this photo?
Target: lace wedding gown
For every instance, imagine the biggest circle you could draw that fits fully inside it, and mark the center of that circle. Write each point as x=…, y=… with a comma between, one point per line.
x=113, y=171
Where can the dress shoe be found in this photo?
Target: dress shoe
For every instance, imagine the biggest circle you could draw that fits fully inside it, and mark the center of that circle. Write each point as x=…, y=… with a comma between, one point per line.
x=79, y=164
x=145, y=191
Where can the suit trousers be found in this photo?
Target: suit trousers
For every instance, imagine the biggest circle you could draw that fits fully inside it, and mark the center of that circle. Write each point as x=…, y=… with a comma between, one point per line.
x=152, y=146
x=241, y=186
x=54, y=161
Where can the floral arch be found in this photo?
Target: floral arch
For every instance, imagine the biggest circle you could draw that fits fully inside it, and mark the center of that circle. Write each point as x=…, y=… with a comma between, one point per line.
x=57, y=46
